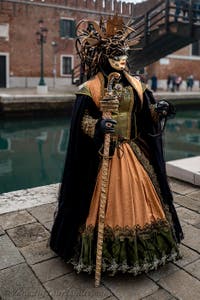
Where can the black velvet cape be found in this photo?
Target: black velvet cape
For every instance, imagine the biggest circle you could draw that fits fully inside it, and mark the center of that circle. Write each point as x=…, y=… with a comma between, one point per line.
x=82, y=165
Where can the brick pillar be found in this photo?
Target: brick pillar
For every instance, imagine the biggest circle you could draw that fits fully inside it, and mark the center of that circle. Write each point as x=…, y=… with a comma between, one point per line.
x=117, y=7
x=90, y=4
x=108, y=5
x=99, y=5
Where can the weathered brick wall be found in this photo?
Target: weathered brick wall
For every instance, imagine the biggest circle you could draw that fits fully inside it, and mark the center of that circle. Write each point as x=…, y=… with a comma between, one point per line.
x=141, y=8
x=24, y=53
x=180, y=67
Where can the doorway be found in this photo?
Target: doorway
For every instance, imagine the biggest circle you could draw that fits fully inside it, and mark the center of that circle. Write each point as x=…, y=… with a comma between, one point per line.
x=3, y=71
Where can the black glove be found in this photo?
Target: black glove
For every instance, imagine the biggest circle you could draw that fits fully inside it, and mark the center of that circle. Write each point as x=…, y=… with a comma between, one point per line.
x=107, y=126
x=165, y=109
x=104, y=126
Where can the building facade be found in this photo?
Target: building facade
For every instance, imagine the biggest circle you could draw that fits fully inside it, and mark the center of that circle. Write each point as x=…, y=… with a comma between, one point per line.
x=183, y=63
x=20, y=53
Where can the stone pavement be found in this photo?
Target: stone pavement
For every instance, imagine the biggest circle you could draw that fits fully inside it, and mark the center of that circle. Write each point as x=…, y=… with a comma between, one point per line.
x=30, y=270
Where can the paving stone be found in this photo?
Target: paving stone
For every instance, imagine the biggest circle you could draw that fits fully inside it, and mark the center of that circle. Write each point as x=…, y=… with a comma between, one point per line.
x=182, y=188
x=195, y=195
x=48, y=225
x=188, y=216
x=9, y=254
x=162, y=272
x=192, y=237
x=51, y=269
x=160, y=295
x=37, y=252
x=129, y=287
x=73, y=287
x=1, y=231
x=19, y=282
x=197, y=225
x=188, y=256
x=43, y=213
x=25, y=234
x=188, y=203
x=181, y=285
x=28, y=198
x=194, y=269
x=14, y=219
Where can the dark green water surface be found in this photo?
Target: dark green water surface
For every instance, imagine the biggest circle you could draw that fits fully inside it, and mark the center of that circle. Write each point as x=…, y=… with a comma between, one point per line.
x=32, y=150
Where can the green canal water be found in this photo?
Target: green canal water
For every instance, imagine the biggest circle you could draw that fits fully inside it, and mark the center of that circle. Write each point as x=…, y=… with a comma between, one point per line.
x=32, y=150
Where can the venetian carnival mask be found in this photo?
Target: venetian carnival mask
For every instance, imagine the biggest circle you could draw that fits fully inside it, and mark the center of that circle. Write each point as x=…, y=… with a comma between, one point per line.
x=118, y=62
x=98, y=43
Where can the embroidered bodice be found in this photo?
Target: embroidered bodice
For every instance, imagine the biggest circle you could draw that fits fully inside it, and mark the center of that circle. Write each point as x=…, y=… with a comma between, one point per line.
x=123, y=117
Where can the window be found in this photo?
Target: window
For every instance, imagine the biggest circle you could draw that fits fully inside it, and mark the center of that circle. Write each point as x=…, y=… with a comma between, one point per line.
x=4, y=31
x=66, y=65
x=196, y=48
x=67, y=28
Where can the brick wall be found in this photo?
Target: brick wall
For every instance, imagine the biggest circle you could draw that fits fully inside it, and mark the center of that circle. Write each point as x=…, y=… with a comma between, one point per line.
x=141, y=8
x=179, y=66
x=24, y=52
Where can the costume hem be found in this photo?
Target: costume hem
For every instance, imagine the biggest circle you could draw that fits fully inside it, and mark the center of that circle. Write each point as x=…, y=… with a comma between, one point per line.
x=135, y=270
x=126, y=250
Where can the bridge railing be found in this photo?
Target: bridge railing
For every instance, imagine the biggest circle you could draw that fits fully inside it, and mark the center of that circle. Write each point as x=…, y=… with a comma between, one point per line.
x=166, y=12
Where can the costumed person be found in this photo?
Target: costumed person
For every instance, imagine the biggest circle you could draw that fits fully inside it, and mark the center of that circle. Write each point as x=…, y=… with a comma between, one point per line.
x=154, y=83
x=140, y=230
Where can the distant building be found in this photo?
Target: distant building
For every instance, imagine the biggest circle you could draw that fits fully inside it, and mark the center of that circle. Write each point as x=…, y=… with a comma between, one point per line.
x=182, y=63
x=20, y=53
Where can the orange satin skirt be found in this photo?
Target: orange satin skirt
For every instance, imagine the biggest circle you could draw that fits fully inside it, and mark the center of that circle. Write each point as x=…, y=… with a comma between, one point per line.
x=131, y=197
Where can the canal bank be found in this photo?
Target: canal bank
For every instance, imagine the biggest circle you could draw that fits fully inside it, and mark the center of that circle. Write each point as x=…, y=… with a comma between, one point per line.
x=17, y=101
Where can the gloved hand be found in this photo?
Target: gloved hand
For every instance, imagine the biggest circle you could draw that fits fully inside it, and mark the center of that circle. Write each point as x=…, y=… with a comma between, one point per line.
x=165, y=109
x=107, y=126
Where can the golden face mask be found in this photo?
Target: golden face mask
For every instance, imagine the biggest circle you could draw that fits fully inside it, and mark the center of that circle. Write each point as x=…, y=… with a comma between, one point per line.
x=118, y=62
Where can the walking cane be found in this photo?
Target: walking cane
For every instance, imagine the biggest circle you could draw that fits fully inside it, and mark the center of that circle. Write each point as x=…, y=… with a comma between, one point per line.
x=108, y=104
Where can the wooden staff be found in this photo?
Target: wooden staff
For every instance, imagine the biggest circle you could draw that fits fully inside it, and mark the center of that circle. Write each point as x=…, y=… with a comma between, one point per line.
x=109, y=104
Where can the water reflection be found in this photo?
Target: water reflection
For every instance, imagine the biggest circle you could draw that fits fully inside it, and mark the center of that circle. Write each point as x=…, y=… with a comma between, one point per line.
x=182, y=136
x=32, y=150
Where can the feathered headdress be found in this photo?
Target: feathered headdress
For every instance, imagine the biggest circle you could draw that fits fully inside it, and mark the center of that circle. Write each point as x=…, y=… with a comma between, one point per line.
x=98, y=41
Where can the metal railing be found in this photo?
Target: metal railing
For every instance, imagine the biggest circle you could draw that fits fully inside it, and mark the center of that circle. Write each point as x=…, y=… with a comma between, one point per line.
x=165, y=13
x=158, y=17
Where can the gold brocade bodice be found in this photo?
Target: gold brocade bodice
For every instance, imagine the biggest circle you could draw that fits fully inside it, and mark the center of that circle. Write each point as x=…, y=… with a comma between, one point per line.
x=123, y=117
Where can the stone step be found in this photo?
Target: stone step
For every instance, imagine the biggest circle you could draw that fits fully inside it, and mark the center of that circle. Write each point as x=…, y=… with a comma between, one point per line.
x=187, y=169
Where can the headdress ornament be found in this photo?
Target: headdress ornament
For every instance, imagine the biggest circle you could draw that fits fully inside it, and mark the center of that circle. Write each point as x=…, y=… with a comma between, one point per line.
x=98, y=41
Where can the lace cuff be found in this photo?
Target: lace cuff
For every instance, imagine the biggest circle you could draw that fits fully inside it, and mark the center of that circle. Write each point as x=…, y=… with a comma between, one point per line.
x=88, y=124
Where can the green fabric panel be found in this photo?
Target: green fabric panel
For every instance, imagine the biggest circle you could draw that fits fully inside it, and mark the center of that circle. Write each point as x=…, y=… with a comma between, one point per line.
x=145, y=251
